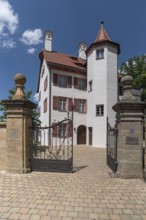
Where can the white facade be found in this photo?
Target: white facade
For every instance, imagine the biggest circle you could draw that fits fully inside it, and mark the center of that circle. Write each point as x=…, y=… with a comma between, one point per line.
x=101, y=93
x=103, y=75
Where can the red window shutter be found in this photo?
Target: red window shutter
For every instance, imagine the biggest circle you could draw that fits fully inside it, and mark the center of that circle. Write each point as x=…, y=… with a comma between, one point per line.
x=55, y=103
x=55, y=79
x=69, y=79
x=76, y=105
x=46, y=83
x=70, y=130
x=75, y=82
x=70, y=104
x=54, y=130
x=45, y=105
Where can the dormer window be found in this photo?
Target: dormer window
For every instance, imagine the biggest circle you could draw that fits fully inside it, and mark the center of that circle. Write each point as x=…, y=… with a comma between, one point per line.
x=99, y=54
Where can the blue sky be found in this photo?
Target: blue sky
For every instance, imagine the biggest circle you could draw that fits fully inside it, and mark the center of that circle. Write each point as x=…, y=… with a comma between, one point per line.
x=22, y=26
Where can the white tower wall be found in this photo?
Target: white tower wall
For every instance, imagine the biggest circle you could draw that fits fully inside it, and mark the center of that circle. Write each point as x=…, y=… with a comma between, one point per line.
x=112, y=83
x=103, y=73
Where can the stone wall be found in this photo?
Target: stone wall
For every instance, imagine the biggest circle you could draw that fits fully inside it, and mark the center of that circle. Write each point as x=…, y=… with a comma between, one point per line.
x=3, y=146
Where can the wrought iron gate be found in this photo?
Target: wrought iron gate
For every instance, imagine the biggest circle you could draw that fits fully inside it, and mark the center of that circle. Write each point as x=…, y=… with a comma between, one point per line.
x=53, y=147
x=112, y=147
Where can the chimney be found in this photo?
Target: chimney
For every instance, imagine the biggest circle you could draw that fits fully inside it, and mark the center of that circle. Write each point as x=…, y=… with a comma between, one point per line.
x=48, y=41
x=82, y=50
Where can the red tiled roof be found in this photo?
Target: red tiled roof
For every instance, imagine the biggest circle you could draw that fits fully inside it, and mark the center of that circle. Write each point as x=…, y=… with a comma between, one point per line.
x=64, y=60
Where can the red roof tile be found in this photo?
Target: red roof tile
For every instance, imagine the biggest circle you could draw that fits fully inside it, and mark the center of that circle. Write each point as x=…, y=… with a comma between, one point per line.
x=64, y=60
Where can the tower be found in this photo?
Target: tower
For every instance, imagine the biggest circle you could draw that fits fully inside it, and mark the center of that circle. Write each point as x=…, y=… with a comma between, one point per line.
x=102, y=86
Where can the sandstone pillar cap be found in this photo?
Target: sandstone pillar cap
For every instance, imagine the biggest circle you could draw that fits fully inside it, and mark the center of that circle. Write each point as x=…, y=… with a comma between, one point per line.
x=20, y=80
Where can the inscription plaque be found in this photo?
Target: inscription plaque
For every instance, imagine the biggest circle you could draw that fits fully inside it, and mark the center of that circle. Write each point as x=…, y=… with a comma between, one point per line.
x=132, y=140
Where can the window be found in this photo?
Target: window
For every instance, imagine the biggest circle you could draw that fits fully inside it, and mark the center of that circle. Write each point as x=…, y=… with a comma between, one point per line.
x=62, y=130
x=90, y=85
x=81, y=84
x=45, y=105
x=62, y=81
x=99, y=110
x=81, y=105
x=99, y=54
x=62, y=104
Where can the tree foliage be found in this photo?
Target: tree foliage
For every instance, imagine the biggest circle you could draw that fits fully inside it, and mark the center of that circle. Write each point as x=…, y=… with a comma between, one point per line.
x=35, y=113
x=136, y=67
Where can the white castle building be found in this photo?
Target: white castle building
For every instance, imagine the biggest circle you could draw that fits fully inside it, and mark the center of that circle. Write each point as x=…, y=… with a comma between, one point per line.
x=88, y=82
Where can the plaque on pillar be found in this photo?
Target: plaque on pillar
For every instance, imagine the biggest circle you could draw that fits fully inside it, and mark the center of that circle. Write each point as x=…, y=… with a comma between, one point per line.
x=132, y=140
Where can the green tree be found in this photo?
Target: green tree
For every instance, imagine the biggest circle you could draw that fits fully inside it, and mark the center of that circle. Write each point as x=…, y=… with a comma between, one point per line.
x=136, y=67
x=35, y=114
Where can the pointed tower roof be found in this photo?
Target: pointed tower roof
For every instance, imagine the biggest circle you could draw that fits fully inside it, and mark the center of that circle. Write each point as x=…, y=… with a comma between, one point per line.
x=102, y=39
x=102, y=34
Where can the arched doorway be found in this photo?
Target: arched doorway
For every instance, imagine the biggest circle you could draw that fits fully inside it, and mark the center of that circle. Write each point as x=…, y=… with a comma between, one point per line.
x=81, y=134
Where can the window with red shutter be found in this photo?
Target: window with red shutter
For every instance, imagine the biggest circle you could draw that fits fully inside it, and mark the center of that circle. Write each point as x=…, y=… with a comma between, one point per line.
x=62, y=130
x=55, y=102
x=55, y=79
x=62, y=104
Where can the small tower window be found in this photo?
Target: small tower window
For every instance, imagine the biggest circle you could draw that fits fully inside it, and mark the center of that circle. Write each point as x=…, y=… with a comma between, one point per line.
x=99, y=110
x=100, y=54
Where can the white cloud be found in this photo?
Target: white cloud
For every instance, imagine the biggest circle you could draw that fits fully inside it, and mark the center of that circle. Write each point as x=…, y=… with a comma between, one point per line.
x=8, y=43
x=8, y=19
x=36, y=97
x=31, y=50
x=32, y=37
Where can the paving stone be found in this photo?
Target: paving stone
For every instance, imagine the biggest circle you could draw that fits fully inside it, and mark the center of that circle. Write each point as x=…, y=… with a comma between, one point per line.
x=14, y=216
x=25, y=217
x=35, y=217
x=87, y=194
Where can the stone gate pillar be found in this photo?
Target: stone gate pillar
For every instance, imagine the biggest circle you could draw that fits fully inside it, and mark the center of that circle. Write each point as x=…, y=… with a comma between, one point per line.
x=19, y=135
x=130, y=119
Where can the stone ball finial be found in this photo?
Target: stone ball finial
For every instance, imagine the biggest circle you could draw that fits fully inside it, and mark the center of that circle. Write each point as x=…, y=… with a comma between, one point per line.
x=126, y=82
x=20, y=80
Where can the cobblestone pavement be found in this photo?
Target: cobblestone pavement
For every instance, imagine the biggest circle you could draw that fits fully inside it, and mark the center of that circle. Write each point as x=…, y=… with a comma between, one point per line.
x=88, y=193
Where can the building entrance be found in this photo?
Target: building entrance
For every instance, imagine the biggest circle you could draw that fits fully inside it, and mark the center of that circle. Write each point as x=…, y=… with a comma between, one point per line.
x=81, y=134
